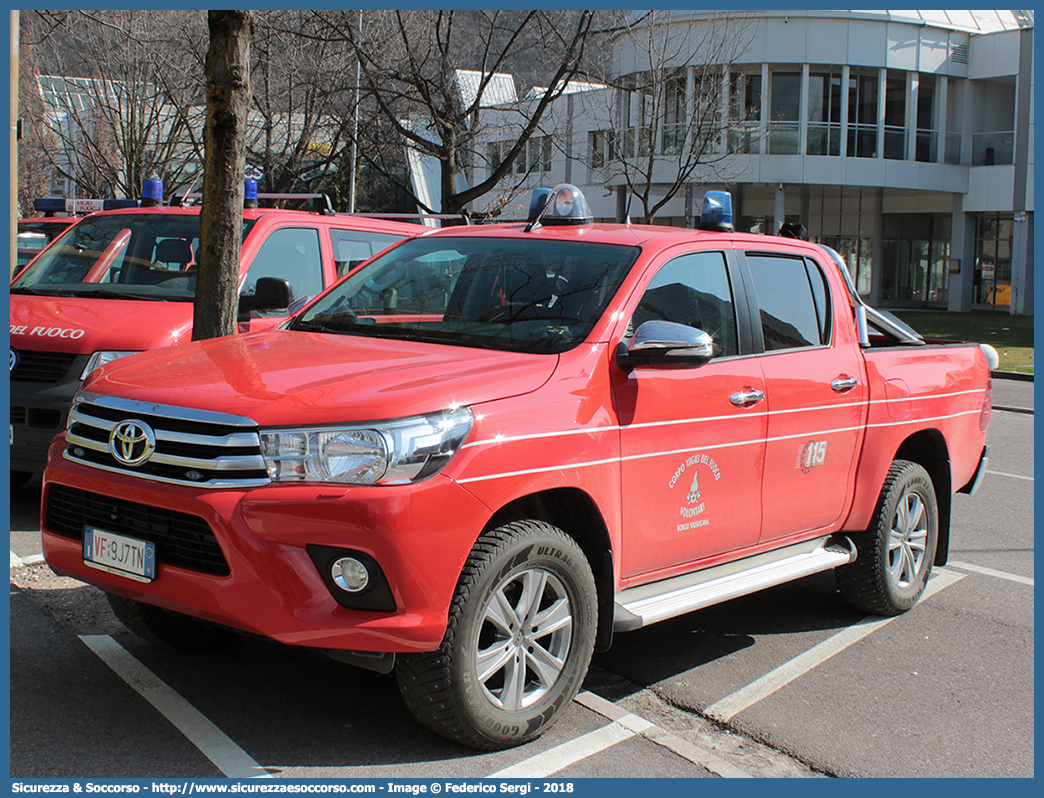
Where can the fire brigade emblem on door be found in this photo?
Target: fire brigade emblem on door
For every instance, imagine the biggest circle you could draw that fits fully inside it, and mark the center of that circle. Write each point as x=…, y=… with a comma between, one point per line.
x=692, y=511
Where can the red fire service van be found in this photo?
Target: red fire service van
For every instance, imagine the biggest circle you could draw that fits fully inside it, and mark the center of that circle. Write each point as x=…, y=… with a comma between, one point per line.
x=490, y=449
x=123, y=280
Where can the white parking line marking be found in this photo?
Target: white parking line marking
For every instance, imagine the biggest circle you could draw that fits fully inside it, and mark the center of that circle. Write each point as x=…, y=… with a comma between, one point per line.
x=624, y=726
x=730, y=706
x=654, y=733
x=15, y=559
x=964, y=566
x=1012, y=476
x=215, y=745
x=554, y=759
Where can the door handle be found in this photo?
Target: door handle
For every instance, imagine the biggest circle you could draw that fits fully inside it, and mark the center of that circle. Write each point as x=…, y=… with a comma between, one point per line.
x=748, y=397
x=844, y=384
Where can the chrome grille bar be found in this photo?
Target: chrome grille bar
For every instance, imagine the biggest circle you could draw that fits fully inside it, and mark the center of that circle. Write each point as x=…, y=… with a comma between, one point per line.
x=192, y=447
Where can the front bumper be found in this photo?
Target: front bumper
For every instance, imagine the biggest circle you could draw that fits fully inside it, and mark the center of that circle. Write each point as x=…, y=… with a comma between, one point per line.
x=420, y=535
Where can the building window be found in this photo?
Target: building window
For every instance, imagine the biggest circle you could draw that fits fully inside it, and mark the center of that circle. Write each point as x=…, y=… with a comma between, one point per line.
x=824, y=113
x=635, y=136
x=862, y=115
x=600, y=151
x=915, y=263
x=895, y=119
x=915, y=271
x=926, y=148
x=994, y=233
x=993, y=142
x=539, y=154
x=520, y=162
x=858, y=256
x=785, y=113
x=744, y=112
x=534, y=157
x=493, y=155
x=672, y=134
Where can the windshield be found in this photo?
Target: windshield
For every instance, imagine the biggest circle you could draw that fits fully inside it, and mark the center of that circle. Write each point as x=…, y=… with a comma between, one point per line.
x=143, y=256
x=526, y=295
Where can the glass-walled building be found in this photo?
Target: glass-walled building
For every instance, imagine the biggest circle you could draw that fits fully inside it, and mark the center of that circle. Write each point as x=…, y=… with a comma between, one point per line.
x=903, y=139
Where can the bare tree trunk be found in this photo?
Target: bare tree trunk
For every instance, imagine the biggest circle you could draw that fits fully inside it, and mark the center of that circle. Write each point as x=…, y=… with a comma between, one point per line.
x=221, y=217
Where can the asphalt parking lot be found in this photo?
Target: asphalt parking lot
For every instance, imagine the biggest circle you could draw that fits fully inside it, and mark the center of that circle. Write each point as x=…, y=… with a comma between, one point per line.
x=788, y=682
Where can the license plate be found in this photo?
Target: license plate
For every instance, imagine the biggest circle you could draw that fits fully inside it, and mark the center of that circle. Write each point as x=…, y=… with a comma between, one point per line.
x=117, y=554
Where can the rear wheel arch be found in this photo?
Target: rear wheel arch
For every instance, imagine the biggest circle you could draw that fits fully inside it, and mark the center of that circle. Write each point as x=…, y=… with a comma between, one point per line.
x=928, y=449
x=575, y=513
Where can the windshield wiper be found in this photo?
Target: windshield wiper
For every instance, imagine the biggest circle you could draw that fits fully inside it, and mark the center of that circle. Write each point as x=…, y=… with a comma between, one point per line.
x=311, y=326
x=106, y=293
x=330, y=321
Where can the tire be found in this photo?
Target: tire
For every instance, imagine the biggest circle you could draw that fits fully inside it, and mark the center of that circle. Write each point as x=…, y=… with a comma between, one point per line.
x=896, y=552
x=472, y=688
x=172, y=629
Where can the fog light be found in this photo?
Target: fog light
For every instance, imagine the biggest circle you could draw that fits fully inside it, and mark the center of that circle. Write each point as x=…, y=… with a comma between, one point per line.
x=350, y=574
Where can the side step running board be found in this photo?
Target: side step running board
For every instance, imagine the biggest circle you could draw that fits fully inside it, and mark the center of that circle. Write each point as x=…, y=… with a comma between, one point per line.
x=641, y=606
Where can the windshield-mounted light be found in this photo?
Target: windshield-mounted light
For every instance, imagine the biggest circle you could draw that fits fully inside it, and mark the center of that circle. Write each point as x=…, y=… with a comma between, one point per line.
x=388, y=453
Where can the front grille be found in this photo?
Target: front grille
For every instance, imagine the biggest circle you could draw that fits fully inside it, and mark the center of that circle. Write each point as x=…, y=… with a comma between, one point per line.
x=48, y=367
x=181, y=540
x=36, y=417
x=192, y=447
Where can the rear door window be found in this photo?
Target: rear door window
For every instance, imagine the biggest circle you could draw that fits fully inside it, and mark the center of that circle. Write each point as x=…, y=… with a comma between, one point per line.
x=792, y=299
x=352, y=247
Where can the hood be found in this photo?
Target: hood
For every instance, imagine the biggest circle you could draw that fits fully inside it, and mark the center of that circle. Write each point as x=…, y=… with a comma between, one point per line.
x=291, y=378
x=81, y=325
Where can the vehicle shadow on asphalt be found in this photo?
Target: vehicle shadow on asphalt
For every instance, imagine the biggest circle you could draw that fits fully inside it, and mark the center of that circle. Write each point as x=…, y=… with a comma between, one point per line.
x=292, y=709
x=670, y=649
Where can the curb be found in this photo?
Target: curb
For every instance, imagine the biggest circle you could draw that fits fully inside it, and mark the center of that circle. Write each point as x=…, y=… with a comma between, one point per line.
x=1011, y=375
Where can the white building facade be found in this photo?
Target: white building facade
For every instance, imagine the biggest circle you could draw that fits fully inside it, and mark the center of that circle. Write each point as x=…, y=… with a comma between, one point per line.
x=903, y=139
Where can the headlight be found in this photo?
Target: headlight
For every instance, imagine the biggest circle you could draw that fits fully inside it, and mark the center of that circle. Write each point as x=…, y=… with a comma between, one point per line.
x=99, y=359
x=388, y=453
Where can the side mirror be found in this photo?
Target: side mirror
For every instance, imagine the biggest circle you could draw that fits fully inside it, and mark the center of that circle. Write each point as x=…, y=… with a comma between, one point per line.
x=270, y=293
x=666, y=344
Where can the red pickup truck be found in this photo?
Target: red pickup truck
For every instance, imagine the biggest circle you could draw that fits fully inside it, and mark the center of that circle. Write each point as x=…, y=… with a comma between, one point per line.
x=123, y=280
x=490, y=449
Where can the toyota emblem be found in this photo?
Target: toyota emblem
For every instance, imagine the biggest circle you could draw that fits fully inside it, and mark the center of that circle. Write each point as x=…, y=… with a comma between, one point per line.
x=14, y=359
x=132, y=442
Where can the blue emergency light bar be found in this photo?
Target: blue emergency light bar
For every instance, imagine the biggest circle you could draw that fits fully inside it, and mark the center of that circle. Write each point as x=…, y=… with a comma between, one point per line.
x=716, y=213
x=152, y=192
x=62, y=205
